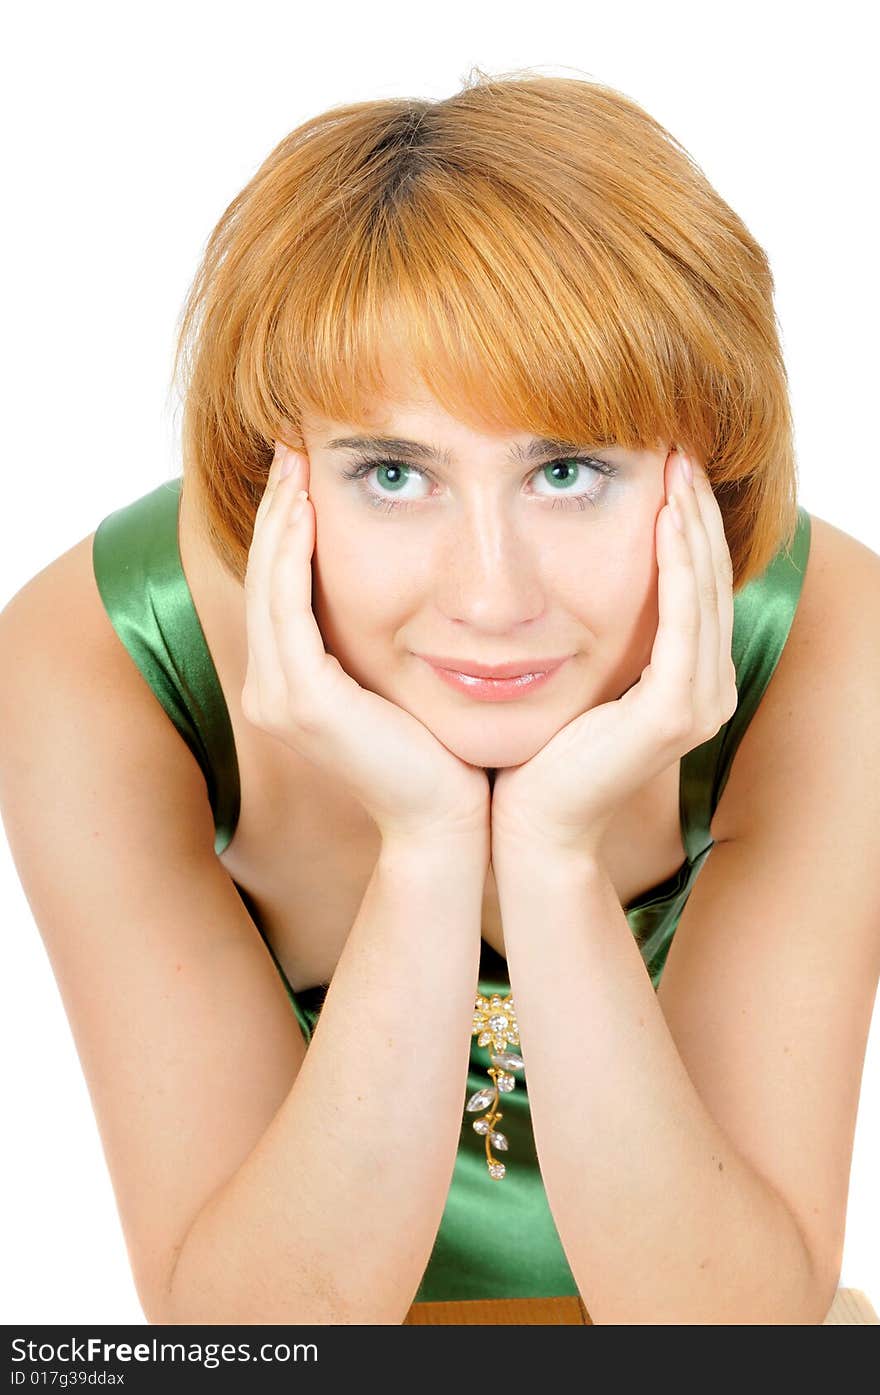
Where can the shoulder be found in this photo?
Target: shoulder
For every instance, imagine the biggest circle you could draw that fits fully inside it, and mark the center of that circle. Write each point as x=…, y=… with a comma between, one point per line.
x=842, y=577
x=58, y=617
x=65, y=667
x=837, y=612
x=826, y=679
x=55, y=619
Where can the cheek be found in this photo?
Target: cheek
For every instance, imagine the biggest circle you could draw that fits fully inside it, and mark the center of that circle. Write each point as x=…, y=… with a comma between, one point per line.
x=609, y=578
x=356, y=588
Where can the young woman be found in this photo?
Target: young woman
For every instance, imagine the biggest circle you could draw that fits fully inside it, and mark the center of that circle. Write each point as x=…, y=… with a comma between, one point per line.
x=394, y=983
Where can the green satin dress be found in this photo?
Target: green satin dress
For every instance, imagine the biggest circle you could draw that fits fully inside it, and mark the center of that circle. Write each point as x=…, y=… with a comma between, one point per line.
x=497, y=1239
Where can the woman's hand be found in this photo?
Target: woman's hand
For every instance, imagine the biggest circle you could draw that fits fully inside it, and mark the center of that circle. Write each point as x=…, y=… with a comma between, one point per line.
x=411, y=785
x=567, y=794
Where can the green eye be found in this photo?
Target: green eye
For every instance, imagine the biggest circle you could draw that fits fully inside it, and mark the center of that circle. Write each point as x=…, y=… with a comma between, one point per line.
x=566, y=499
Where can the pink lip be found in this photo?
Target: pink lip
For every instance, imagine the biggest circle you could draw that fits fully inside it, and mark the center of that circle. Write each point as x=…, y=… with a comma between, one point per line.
x=509, y=670
x=495, y=689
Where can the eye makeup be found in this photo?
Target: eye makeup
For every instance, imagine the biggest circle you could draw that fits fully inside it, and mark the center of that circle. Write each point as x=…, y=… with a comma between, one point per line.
x=602, y=470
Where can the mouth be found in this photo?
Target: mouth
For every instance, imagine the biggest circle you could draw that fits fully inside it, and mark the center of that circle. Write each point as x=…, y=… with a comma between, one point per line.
x=516, y=682
x=513, y=669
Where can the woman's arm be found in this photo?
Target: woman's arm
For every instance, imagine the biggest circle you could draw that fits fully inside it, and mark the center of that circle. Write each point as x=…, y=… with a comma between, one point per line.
x=696, y=1144
x=288, y=1184
x=332, y=1217
x=662, y=1218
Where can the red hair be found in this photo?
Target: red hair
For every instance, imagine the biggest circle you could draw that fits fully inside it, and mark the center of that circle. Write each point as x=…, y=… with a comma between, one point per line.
x=539, y=251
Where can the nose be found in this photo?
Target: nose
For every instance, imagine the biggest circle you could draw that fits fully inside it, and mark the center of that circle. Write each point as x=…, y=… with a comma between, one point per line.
x=489, y=573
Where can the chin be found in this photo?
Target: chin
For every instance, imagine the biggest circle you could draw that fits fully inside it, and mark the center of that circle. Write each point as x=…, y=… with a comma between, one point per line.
x=493, y=752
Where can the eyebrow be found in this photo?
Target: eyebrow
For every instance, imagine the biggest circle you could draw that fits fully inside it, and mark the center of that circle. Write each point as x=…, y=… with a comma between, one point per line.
x=539, y=448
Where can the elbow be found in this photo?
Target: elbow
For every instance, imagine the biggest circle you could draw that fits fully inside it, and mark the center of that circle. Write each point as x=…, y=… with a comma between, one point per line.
x=187, y=1293
x=172, y=1308
x=781, y=1306
x=822, y=1299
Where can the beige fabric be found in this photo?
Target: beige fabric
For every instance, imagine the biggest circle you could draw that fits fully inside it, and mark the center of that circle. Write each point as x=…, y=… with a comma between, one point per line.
x=850, y=1305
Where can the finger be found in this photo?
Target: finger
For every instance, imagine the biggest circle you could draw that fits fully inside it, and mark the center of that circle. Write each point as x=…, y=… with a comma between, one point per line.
x=298, y=641
x=271, y=510
x=283, y=455
x=277, y=488
x=269, y=525
x=676, y=644
x=706, y=691
x=714, y=525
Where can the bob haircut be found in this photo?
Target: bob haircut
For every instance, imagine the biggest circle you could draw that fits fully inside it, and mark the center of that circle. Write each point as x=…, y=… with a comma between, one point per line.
x=538, y=250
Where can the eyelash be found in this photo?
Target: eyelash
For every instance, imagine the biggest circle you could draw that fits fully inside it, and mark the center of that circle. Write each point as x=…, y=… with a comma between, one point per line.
x=361, y=468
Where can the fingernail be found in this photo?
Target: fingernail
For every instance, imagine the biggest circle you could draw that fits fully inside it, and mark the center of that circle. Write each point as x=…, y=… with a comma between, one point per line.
x=286, y=465
x=685, y=466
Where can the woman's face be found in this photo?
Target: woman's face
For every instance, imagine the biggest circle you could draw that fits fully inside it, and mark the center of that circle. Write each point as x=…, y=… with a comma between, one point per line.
x=486, y=554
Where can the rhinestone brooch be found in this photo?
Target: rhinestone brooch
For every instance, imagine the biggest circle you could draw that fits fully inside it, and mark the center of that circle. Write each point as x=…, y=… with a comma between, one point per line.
x=495, y=1025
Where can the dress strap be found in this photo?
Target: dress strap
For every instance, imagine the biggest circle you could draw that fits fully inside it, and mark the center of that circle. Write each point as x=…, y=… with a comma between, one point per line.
x=140, y=577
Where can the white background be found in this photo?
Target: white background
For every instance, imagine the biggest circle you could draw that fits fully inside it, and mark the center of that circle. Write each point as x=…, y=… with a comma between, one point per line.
x=127, y=131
